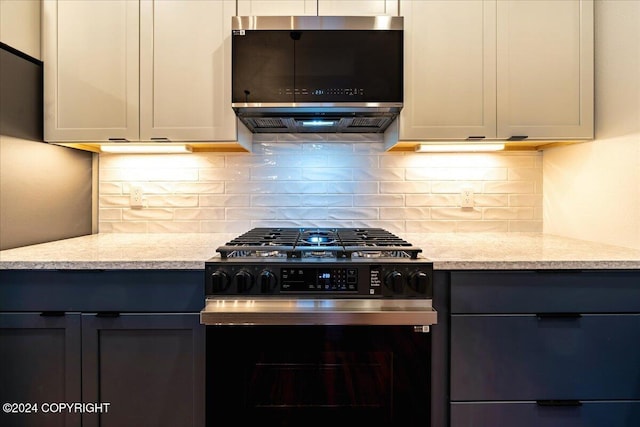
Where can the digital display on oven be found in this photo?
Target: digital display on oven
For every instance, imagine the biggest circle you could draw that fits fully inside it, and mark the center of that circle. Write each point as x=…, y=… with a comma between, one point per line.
x=311, y=279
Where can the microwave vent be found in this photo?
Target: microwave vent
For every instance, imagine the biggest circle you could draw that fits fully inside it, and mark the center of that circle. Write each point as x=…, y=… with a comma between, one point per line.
x=269, y=123
x=297, y=120
x=367, y=122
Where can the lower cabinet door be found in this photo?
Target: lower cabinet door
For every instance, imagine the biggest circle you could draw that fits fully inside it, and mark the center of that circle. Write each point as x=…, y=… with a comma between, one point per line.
x=529, y=357
x=39, y=369
x=531, y=414
x=147, y=368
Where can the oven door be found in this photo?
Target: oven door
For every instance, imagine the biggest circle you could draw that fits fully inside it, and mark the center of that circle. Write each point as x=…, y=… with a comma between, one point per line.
x=310, y=362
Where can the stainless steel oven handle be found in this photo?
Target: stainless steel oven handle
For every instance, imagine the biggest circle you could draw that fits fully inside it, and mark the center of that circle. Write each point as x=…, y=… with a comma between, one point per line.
x=301, y=311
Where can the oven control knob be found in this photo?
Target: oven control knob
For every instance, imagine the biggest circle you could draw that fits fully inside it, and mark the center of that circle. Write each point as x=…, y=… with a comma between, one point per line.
x=244, y=281
x=419, y=282
x=267, y=282
x=219, y=281
x=394, y=281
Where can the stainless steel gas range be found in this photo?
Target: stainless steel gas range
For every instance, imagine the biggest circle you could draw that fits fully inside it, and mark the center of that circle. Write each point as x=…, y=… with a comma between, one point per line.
x=311, y=326
x=319, y=276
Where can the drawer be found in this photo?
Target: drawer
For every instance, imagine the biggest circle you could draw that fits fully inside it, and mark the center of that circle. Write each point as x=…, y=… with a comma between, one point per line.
x=102, y=290
x=530, y=414
x=523, y=357
x=597, y=291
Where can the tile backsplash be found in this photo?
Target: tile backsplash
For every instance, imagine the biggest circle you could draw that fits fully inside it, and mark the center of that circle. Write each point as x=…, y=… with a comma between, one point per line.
x=320, y=183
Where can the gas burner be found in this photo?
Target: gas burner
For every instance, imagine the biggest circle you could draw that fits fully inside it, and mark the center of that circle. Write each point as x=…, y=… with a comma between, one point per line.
x=317, y=238
x=268, y=254
x=336, y=243
x=367, y=254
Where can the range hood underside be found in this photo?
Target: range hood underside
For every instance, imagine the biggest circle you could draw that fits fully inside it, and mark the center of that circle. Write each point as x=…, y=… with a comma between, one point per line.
x=317, y=120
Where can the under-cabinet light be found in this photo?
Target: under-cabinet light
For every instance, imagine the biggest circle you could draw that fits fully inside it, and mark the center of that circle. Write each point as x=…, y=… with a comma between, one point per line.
x=461, y=147
x=127, y=148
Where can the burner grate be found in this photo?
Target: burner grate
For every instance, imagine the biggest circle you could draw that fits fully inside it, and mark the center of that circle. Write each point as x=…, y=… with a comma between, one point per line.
x=318, y=243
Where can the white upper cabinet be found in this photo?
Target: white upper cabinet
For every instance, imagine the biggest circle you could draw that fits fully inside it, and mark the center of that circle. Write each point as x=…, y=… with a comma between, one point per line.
x=138, y=70
x=357, y=7
x=277, y=7
x=317, y=7
x=90, y=51
x=545, y=69
x=185, y=69
x=449, y=69
x=498, y=69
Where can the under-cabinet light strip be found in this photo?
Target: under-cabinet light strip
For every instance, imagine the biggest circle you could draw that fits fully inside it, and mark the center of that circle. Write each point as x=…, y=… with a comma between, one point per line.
x=462, y=147
x=126, y=148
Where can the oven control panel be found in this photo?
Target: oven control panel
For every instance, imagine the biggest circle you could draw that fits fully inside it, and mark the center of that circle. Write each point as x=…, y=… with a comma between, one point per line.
x=350, y=279
x=309, y=279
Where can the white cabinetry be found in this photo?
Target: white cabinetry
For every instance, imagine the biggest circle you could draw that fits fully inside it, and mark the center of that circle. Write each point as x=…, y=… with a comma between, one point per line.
x=545, y=68
x=277, y=7
x=91, y=53
x=185, y=73
x=317, y=7
x=498, y=69
x=449, y=69
x=140, y=70
x=357, y=7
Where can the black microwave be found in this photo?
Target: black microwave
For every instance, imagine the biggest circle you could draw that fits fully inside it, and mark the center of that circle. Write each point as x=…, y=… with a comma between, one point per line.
x=324, y=69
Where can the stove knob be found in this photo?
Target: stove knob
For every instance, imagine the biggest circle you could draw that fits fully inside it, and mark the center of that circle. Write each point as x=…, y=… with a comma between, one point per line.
x=394, y=281
x=267, y=281
x=419, y=282
x=244, y=281
x=219, y=281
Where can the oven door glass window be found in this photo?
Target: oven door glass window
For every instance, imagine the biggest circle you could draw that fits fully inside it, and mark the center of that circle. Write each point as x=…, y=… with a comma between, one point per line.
x=317, y=375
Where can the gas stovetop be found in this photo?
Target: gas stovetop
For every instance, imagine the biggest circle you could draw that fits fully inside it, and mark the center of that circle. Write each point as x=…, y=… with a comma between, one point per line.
x=332, y=262
x=318, y=243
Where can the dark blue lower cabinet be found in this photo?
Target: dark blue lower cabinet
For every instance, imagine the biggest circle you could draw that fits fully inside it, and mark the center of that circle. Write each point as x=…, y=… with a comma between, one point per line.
x=39, y=365
x=529, y=357
x=105, y=369
x=546, y=414
x=545, y=349
x=149, y=368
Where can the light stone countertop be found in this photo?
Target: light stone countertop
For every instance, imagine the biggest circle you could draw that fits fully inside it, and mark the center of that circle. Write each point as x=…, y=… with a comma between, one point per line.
x=448, y=251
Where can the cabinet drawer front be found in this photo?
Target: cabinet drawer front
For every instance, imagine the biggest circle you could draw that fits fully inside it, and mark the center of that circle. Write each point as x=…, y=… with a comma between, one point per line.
x=528, y=358
x=102, y=290
x=529, y=414
x=541, y=291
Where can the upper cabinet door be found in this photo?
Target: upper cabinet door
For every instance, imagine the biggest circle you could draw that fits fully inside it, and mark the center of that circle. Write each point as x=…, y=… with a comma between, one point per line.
x=90, y=51
x=277, y=7
x=449, y=69
x=545, y=68
x=357, y=7
x=185, y=69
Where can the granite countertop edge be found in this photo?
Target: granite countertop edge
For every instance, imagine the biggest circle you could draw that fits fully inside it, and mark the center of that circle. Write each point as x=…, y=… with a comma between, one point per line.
x=447, y=251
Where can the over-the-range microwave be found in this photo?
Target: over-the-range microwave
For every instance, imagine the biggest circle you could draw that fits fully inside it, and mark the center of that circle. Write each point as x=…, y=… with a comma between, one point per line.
x=317, y=74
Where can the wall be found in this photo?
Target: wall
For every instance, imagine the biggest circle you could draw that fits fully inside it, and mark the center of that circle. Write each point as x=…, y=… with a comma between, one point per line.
x=20, y=25
x=45, y=190
x=320, y=183
x=592, y=190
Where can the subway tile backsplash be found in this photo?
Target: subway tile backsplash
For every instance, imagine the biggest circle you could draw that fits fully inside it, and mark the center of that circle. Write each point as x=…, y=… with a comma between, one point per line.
x=323, y=182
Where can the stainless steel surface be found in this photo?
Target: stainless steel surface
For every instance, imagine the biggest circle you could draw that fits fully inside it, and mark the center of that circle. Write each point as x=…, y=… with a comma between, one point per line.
x=318, y=113
x=265, y=120
x=335, y=107
x=300, y=311
x=317, y=23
